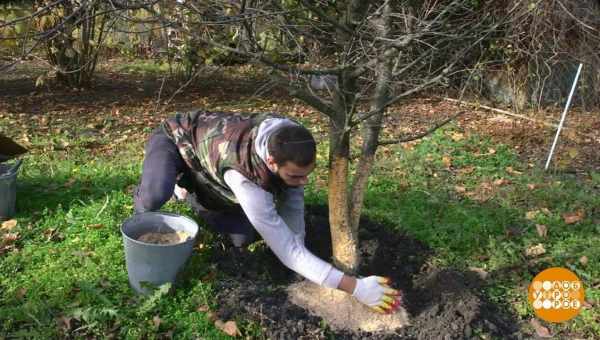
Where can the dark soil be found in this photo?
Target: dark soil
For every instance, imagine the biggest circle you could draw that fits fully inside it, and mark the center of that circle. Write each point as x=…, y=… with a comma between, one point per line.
x=442, y=303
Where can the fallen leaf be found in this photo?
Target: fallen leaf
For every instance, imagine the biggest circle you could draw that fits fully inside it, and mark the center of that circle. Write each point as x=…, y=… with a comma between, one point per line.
x=21, y=293
x=530, y=215
x=460, y=189
x=203, y=308
x=531, y=186
x=491, y=151
x=9, y=238
x=501, y=181
x=536, y=250
x=156, y=321
x=447, y=161
x=584, y=260
x=546, y=211
x=457, y=136
x=9, y=225
x=467, y=170
x=480, y=272
x=574, y=217
x=540, y=330
x=542, y=230
x=95, y=226
x=512, y=171
x=230, y=328
x=483, y=192
x=64, y=323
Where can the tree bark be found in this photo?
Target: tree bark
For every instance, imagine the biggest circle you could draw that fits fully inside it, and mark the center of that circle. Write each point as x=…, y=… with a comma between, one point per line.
x=343, y=236
x=372, y=125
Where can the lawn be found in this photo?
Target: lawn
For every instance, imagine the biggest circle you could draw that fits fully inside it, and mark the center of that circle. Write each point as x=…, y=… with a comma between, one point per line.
x=473, y=200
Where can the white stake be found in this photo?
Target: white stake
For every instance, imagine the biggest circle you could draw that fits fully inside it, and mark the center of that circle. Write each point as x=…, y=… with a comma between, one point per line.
x=562, y=119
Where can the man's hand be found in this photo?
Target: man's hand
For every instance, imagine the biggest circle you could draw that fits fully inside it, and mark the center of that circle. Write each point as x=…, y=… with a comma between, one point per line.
x=375, y=292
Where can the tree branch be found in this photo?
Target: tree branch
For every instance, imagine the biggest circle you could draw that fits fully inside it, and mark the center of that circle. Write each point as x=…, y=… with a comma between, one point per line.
x=305, y=95
x=328, y=18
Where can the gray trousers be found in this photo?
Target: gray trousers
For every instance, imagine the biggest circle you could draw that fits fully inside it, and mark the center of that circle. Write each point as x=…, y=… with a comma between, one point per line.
x=161, y=168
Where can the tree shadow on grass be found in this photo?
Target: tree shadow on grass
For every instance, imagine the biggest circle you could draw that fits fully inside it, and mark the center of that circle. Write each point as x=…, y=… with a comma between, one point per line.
x=111, y=89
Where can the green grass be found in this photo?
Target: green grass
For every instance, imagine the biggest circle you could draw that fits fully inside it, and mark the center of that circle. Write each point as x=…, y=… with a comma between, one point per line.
x=466, y=232
x=71, y=203
x=70, y=262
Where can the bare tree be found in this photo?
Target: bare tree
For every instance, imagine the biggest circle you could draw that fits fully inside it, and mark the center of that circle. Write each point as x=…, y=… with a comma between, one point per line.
x=70, y=32
x=542, y=51
x=361, y=57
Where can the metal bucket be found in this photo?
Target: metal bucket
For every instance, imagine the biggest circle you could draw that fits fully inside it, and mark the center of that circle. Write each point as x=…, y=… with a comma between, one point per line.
x=8, y=189
x=151, y=265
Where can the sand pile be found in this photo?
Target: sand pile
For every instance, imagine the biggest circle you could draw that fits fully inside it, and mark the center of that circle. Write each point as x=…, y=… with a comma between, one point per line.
x=164, y=238
x=342, y=312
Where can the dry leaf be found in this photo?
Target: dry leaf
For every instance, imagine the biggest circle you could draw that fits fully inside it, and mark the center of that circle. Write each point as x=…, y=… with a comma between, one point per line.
x=230, y=328
x=64, y=323
x=540, y=330
x=483, y=193
x=512, y=171
x=9, y=238
x=584, y=260
x=574, y=217
x=9, y=225
x=202, y=308
x=21, y=293
x=536, y=250
x=531, y=186
x=530, y=215
x=447, y=161
x=467, y=170
x=457, y=136
x=546, y=211
x=491, y=151
x=480, y=272
x=501, y=181
x=156, y=321
x=460, y=189
x=542, y=230
x=95, y=226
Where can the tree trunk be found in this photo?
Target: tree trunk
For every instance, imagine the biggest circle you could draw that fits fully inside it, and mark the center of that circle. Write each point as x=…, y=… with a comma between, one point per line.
x=344, y=236
x=372, y=125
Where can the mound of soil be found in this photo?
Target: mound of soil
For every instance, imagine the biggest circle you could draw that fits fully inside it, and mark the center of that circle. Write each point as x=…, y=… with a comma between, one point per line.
x=442, y=303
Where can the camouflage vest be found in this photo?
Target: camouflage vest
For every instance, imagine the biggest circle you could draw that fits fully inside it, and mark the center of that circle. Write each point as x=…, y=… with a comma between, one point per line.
x=213, y=142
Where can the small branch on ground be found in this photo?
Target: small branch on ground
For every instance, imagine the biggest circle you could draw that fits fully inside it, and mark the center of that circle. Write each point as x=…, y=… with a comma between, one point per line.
x=504, y=112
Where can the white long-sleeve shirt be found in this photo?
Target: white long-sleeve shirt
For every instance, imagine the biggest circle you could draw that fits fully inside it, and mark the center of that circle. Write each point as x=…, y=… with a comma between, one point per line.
x=281, y=225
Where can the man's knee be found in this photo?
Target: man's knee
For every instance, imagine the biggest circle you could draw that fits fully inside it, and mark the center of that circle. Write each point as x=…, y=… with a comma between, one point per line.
x=148, y=200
